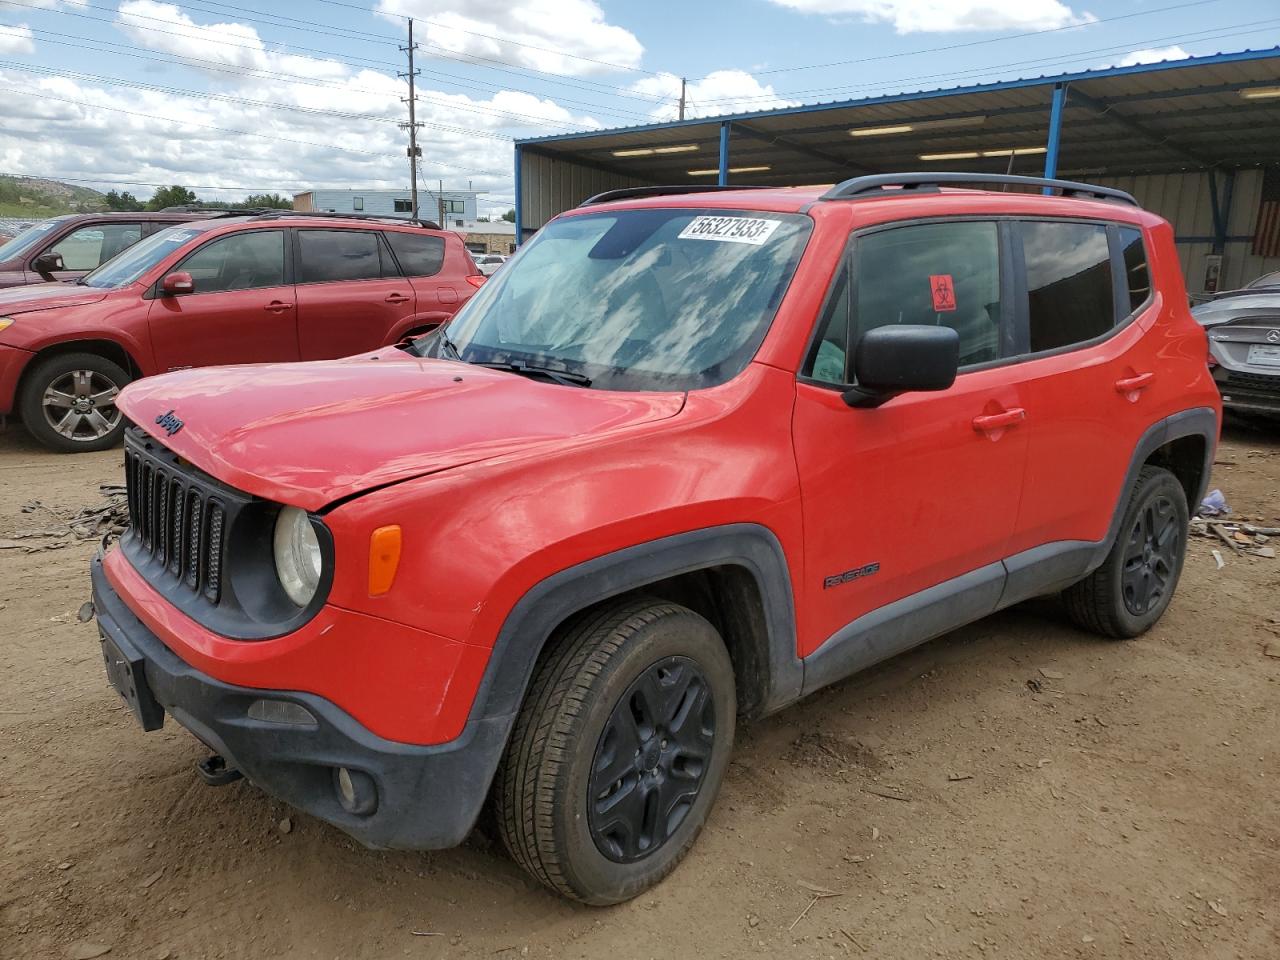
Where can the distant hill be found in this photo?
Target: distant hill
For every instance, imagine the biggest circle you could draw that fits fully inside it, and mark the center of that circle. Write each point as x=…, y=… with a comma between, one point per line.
x=37, y=198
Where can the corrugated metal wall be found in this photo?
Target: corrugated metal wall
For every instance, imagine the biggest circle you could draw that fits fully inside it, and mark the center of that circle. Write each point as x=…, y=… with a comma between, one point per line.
x=550, y=185
x=1183, y=200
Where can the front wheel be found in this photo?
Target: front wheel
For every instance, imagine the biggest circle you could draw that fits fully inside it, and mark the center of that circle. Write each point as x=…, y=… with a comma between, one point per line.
x=69, y=402
x=618, y=752
x=1132, y=589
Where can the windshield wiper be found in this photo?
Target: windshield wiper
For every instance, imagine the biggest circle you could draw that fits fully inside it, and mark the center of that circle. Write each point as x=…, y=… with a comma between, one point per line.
x=449, y=344
x=558, y=375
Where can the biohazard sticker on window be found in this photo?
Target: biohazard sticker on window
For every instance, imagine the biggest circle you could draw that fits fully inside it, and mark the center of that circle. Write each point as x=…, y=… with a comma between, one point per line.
x=944, y=292
x=753, y=230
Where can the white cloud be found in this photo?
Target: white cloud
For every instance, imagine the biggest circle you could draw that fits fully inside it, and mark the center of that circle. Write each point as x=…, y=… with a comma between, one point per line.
x=723, y=91
x=947, y=16
x=528, y=33
x=16, y=38
x=1151, y=55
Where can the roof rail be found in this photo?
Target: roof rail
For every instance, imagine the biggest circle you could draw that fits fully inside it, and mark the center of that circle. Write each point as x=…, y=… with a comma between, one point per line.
x=631, y=193
x=862, y=187
x=219, y=211
x=373, y=217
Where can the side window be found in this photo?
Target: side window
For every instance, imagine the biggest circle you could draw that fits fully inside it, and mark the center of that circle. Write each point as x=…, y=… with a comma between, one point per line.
x=1135, y=267
x=827, y=361
x=327, y=255
x=91, y=246
x=936, y=274
x=1069, y=283
x=241, y=261
x=421, y=255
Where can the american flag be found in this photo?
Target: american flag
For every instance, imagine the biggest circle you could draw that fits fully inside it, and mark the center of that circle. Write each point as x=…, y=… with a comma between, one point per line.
x=1266, y=236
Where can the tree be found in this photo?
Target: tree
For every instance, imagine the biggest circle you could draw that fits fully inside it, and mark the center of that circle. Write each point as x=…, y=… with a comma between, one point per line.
x=174, y=196
x=272, y=200
x=510, y=215
x=122, y=201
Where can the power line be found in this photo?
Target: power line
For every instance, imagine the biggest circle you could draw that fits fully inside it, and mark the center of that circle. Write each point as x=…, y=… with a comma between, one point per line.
x=978, y=43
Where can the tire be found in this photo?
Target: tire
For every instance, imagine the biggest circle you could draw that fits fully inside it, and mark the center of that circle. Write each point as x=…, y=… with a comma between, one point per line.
x=68, y=402
x=560, y=814
x=1132, y=589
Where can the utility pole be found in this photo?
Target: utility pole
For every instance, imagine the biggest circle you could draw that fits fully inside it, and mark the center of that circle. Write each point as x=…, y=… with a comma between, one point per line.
x=440, y=199
x=683, y=84
x=414, y=150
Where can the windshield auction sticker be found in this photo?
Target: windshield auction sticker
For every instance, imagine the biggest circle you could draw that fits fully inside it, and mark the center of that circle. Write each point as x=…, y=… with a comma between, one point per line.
x=753, y=230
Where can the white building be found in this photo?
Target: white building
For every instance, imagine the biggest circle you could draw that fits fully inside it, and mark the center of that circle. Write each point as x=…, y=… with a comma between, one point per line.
x=451, y=207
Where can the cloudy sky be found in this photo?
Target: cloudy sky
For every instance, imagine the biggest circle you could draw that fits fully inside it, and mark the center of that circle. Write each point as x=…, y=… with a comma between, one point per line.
x=282, y=95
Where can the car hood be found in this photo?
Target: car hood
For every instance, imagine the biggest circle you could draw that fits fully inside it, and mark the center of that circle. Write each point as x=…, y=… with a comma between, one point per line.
x=308, y=434
x=47, y=296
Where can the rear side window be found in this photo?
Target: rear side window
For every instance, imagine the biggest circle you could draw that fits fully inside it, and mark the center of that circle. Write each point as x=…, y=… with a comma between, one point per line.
x=327, y=255
x=419, y=255
x=937, y=274
x=1071, y=297
x=1135, y=267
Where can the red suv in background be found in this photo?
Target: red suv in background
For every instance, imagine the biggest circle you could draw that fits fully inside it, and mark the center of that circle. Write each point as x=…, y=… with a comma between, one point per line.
x=271, y=287
x=67, y=248
x=687, y=457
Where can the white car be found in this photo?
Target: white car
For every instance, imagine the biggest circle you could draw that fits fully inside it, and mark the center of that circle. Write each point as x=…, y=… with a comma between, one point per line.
x=490, y=262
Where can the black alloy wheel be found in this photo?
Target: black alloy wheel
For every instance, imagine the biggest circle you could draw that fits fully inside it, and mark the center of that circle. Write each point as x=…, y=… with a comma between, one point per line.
x=1152, y=556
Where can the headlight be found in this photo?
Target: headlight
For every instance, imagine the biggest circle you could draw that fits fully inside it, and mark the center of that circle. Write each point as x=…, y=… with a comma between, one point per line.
x=297, y=555
x=6, y=323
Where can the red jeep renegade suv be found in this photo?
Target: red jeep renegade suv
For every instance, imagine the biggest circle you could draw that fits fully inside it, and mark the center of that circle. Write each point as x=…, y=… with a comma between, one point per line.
x=687, y=458
x=272, y=287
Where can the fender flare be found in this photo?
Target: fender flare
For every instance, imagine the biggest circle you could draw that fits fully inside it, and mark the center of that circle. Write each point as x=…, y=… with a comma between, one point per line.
x=531, y=622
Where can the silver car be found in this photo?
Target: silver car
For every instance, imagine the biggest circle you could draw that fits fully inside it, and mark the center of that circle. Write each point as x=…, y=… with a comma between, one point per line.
x=1244, y=344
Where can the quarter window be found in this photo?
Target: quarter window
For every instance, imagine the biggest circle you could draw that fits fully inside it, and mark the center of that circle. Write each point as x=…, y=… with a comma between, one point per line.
x=241, y=261
x=326, y=255
x=935, y=274
x=1069, y=283
x=419, y=255
x=828, y=362
x=89, y=247
x=1135, y=267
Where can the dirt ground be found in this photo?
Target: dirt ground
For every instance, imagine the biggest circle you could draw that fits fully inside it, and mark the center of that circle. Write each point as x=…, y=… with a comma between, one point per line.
x=1015, y=789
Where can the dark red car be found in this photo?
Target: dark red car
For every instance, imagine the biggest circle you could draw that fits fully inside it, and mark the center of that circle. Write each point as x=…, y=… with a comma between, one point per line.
x=67, y=248
x=267, y=288
x=686, y=457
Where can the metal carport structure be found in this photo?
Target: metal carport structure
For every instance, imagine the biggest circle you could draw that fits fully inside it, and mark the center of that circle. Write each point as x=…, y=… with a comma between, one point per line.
x=1192, y=139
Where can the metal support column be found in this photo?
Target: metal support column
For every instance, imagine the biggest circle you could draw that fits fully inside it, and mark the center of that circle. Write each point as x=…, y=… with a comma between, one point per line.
x=519, y=200
x=1221, y=209
x=724, y=153
x=1055, y=131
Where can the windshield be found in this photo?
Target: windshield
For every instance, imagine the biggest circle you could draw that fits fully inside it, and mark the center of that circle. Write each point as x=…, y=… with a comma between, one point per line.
x=29, y=239
x=136, y=260
x=635, y=299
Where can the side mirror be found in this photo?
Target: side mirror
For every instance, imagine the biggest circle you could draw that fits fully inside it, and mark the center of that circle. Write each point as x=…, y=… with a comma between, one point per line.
x=47, y=264
x=176, y=284
x=902, y=359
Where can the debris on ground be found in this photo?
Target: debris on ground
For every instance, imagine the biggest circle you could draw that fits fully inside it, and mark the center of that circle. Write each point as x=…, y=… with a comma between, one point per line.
x=109, y=517
x=1214, y=505
x=1242, y=538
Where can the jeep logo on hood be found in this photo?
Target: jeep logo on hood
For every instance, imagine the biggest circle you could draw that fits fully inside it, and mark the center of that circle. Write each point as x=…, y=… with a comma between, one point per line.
x=169, y=423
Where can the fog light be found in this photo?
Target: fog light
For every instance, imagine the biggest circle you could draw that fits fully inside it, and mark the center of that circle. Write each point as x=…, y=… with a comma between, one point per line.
x=280, y=711
x=356, y=791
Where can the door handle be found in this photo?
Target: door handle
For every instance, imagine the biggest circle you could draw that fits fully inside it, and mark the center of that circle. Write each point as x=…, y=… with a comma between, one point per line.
x=995, y=423
x=277, y=306
x=1131, y=385
x=397, y=298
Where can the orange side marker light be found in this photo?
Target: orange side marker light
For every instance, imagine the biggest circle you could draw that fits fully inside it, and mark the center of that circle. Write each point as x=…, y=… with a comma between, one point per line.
x=384, y=559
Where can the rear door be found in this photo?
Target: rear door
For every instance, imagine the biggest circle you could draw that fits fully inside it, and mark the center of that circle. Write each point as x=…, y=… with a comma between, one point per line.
x=88, y=247
x=438, y=274
x=351, y=296
x=923, y=489
x=1088, y=375
x=242, y=309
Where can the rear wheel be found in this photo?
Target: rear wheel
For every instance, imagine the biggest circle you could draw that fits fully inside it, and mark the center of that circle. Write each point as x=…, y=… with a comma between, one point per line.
x=69, y=402
x=1132, y=589
x=618, y=752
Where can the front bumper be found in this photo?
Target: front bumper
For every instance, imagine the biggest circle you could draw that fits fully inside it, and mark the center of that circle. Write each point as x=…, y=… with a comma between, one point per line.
x=13, y=361
x=428, y=797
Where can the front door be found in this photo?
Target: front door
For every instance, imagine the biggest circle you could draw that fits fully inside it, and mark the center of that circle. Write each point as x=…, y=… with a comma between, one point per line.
x=921, y=492
x=242, y=310
x=351, y=297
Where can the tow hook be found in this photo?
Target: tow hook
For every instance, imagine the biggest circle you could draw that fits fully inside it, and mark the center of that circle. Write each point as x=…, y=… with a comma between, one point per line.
x=214, y=771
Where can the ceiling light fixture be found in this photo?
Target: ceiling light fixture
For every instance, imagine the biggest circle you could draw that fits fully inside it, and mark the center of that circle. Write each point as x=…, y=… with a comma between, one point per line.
x=971, y=155
x=1015, y=152
x=946, y=123
x=713, y=172
x=650, y=151
x=1260, y=93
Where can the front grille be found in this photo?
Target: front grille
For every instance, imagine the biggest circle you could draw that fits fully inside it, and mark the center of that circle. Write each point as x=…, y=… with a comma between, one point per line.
x=175, y=522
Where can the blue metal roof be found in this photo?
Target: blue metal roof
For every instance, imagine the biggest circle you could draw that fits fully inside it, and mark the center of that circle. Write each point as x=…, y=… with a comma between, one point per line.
x=1163, y=66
